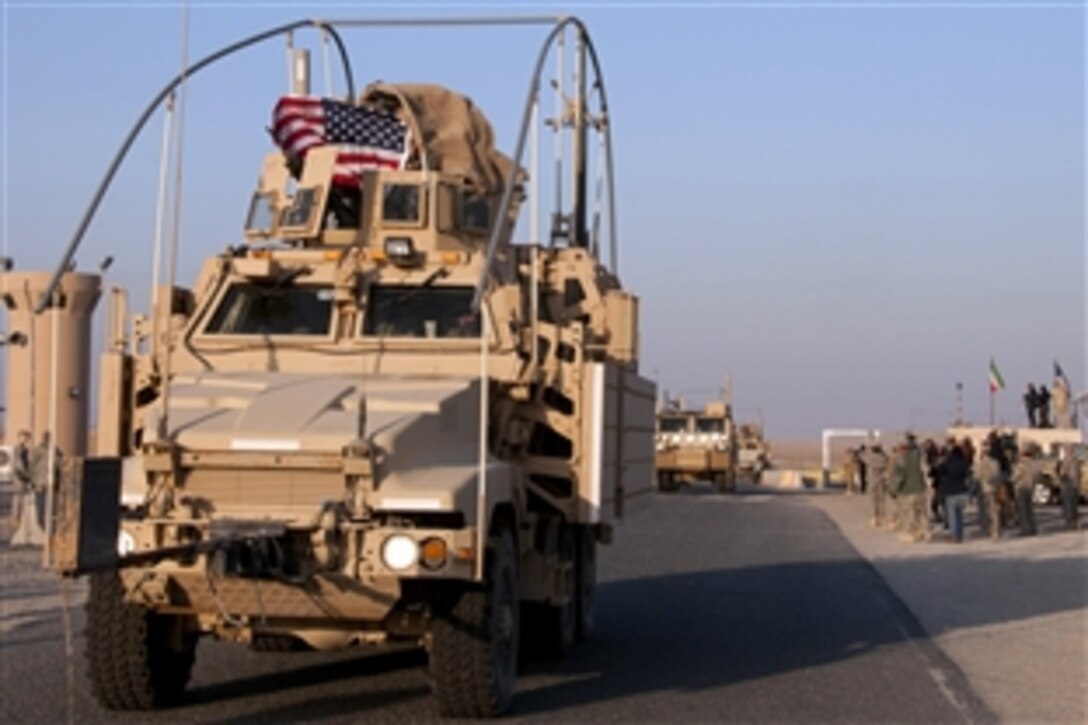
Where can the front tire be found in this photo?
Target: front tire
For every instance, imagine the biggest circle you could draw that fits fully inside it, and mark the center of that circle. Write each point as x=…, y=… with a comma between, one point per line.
x=667, y=483
x=550, y=630
x=726, y=481
x=587, y=581
x=136, y=659
x=474, y=646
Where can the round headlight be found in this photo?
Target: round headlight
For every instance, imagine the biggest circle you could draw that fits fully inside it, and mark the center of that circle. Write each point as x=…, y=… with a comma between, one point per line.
x=400, y=552
x=126, y=543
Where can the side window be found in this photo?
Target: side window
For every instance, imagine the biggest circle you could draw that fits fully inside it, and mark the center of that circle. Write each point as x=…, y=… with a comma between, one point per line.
x=475, y=213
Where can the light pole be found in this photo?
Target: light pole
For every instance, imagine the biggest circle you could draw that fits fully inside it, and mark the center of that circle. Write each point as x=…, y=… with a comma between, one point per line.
x=959, y=404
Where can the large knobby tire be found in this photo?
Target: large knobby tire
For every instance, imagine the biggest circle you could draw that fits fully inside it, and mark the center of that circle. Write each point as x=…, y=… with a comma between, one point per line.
x=725, y=481
x=587, y=581
x=136, y=660
x=474, y=646
x=550, y=631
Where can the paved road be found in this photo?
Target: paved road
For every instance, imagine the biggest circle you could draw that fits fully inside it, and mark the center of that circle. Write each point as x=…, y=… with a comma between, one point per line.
x=749, y=608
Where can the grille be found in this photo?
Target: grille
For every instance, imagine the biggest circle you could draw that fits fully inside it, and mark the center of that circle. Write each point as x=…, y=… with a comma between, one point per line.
x=237, y=489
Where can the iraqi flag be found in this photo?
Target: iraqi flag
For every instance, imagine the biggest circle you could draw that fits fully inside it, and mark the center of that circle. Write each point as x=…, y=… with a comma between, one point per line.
x=996, y=381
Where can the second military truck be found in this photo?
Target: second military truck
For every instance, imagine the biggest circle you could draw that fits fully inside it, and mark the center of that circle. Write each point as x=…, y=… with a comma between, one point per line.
x=696, y=445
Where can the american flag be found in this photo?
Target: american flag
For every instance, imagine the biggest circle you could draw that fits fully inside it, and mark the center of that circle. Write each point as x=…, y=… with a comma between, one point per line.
x=367, y=138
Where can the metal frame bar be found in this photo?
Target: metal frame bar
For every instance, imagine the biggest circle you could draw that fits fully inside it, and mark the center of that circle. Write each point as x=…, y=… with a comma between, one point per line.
x=508, y=189
x=122, y=152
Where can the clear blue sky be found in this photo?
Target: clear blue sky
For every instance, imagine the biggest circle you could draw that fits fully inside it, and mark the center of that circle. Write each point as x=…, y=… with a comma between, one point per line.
x=848, y=207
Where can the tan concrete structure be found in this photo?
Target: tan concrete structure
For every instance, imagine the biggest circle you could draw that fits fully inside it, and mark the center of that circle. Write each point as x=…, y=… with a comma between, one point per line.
x=30, y=355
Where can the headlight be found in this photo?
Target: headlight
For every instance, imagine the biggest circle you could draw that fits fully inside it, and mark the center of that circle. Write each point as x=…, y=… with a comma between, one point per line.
x=400, y=250
x=126, y=543
x=400, y=552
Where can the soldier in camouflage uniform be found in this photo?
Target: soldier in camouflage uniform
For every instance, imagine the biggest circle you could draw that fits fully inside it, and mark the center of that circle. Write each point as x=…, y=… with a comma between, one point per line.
x=849, y=471
x=1025, y=473
x=1069, y=473
x=909, y=485
x=876, y=465
x=988, y=474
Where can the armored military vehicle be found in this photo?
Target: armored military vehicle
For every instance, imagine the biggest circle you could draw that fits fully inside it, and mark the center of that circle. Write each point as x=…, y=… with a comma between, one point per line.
x=753, y=452
x=377, y=419
x=696, y=445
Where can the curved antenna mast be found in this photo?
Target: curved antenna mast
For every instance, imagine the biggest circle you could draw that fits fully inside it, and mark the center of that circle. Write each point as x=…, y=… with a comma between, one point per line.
x=586, y=48
x=119, y=157
x=167, y=309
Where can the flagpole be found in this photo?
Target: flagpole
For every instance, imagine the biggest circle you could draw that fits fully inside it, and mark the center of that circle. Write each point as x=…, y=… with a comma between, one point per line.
x=991, y=406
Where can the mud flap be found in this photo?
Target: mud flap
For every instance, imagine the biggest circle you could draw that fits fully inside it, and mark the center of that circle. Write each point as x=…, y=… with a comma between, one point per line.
x=86, y=517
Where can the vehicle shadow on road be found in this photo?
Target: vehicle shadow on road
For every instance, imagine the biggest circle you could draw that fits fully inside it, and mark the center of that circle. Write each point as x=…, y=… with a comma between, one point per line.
x=700, y=631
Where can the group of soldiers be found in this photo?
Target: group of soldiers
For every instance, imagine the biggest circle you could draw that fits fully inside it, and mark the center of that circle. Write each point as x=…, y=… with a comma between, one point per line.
x=31, y=474
x=1000, y=479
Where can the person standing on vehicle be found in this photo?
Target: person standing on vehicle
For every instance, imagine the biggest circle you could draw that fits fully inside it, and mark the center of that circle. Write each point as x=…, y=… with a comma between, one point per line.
x=1031, y=403
x=876, y=465
x=1069, y=477
x=1044, y=407
x=952, y=475
x=909, y=485
x=1026, y=472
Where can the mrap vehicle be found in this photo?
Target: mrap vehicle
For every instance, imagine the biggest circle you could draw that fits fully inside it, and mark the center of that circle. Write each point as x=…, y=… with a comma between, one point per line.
x=379, y=418
x=753, y=452
x=696, y=445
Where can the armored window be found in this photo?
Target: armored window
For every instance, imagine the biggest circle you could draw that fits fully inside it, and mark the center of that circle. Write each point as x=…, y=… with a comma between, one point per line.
x=401, y=203
x=673, y=425
x=710, y=425
x=406, y=311
x=262, y=213
x=475, y=213
x=267, y=309
x=302, y=208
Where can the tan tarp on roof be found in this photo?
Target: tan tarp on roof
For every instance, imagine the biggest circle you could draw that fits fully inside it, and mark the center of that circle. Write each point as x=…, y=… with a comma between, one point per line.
x=448, y=126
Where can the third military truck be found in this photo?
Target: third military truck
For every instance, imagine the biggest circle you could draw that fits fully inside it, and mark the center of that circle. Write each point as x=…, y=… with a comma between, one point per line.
x=377, y=418
x=696, y=445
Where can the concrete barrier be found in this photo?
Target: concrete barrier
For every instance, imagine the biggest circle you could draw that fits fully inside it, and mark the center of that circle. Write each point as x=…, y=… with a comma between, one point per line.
x=783, y=478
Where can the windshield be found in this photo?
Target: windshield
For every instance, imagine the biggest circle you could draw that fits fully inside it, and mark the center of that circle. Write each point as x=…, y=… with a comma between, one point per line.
x=403, y=311
x=673, y=425
x=710, y=425
x=249, y=308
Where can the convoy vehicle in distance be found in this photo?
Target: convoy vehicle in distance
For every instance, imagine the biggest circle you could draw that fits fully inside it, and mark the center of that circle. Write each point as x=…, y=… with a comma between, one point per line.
x=753, y=452
x=378, y=419
x=696, y=445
